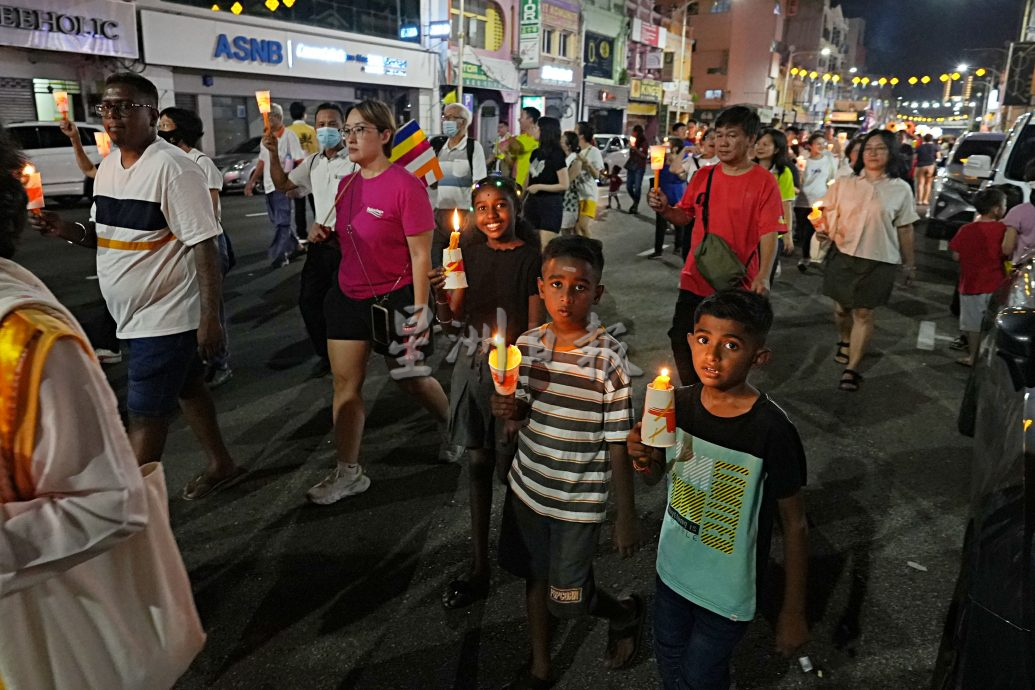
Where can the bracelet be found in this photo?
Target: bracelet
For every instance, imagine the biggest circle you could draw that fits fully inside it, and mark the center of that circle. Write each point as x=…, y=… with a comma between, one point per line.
x=81, y=239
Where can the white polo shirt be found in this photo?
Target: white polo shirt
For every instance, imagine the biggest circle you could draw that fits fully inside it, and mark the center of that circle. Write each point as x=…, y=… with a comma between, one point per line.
x=289, y=150
x=454, y=189
x=320, y=176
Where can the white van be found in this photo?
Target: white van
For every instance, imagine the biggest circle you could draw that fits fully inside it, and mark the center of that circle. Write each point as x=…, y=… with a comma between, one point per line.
x=51, y=153
x=1008, y=166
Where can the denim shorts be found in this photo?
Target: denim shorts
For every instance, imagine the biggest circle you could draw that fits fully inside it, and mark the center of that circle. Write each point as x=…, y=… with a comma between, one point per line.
x=158, y=369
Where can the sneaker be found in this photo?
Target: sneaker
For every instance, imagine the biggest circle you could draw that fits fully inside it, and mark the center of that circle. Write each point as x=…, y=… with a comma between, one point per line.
x=337, y=485
x=219, y=377
x=959, y=343
x=655, y=255
x=447, y=450
x=803, y=266
x=108, y=356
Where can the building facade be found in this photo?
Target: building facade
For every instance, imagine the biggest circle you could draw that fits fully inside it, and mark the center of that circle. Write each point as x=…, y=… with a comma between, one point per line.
x=648, y=38
x=605, y=88
x=818, y=39
x=551, y=78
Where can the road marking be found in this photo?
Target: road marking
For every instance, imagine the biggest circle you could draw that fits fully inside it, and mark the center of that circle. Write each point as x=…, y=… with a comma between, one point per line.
x=255, y=215
x=91, y=277
x=648, y=252
x=943, y=245
x=926, y=335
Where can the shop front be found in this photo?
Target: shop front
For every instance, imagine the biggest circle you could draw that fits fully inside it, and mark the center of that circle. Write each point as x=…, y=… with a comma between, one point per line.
x=491, y=90
x=215, y=67
x=555, y=75
x=644, y=97
x=60, y=45
x=605, y=106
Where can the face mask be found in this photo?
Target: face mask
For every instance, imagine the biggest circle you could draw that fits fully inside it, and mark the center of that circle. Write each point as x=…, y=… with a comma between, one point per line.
x=169, y=137
x=329, y=137
x=449, y=128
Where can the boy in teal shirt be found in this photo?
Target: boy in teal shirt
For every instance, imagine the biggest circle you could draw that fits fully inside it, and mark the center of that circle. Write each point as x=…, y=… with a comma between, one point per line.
x=737, y=462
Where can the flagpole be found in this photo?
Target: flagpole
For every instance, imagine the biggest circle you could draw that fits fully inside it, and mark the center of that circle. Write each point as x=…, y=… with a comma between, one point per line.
x=460, y=58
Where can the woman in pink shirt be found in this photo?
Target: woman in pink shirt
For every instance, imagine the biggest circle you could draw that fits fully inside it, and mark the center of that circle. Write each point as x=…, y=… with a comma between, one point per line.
x=384, y=228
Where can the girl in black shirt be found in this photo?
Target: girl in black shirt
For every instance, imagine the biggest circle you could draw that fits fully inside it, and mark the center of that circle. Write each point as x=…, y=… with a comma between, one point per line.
x=547, y=179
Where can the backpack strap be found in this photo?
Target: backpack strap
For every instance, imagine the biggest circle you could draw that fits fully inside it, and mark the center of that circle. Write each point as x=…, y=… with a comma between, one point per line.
x=470, y=157
x=26, y=338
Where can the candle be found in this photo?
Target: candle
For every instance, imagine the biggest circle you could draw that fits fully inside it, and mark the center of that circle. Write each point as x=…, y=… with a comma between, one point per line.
x=657, y=162
x=659, y=413
x=263, y=99
x=33, y=183
x=663, y=381
x=501, y=352
x=454, y=237
x=61, y=103
x=103, y=142
x=453, y=258
x=816, y=214
x=505, y=376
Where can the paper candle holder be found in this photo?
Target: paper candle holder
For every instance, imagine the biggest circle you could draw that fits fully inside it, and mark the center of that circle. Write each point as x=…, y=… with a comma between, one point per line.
x=103, y=141
x=658, y=428
x=453, y=263
x=505, y=380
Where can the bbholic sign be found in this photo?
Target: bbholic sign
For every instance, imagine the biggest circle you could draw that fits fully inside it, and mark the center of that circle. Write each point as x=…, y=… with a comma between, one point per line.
x=97, y=27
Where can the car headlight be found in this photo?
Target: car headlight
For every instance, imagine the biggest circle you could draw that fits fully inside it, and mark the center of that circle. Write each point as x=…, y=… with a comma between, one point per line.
x=238, y=166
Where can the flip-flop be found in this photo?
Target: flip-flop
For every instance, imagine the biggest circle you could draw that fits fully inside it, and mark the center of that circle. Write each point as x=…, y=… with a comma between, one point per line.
x=461, y=593
x=633, y=631
x=841, y=357
x=203, y=484
x=850, y=380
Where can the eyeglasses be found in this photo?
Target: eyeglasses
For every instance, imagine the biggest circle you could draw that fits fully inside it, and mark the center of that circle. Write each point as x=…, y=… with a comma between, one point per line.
x=454, y=118
x=119, y=109
x=358, y=130
x=875, y=150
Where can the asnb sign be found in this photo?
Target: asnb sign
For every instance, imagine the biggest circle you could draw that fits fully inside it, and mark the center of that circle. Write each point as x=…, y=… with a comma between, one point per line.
x=244, y=49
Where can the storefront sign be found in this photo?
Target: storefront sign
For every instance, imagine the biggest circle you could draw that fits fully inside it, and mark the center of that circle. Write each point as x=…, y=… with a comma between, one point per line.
x=198, y=43
x=645, y=90
x=649, y=34
x=560, y=15
x=92, y=27
x=599, y=56
x=554, y=73
x=615, y=97
x=531, y=17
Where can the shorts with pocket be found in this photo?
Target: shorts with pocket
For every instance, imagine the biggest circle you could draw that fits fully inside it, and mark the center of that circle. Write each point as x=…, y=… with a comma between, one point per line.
x=536, y=547
x=351, y=319
x=159, y=367
x=972, y=311
x=544, y=211
x=588, y=208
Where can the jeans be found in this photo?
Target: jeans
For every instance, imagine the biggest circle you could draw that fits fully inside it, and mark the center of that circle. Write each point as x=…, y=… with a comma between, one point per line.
x=803, y=230
x=284, y=242
x=634, y=185
x=692, y=645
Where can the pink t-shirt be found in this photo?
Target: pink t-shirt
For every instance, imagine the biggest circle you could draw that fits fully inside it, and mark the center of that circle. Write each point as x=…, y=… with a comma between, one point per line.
x=384, y=211
x=1022, y=219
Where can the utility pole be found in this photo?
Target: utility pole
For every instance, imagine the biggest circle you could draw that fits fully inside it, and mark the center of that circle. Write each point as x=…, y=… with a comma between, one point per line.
x=460, y=56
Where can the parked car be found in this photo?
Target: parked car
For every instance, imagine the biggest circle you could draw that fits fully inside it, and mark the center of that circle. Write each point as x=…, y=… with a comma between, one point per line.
x=952, y=190
x=1007, y=166
x=50, y=151
x=988, y=640
x=238, y=164
x=615, y=148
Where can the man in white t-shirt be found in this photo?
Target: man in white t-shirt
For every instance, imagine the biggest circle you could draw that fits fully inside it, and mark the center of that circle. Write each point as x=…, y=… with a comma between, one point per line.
x=320, y=173
x=155, y=237
x=463, y=163
x=285, y=245
x=591, y=167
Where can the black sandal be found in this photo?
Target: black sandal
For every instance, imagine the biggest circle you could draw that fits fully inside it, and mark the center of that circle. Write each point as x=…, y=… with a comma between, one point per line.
x=462, y=592
x=842, y=352
x=633, y=631
x=524, y=680
x=850, y=380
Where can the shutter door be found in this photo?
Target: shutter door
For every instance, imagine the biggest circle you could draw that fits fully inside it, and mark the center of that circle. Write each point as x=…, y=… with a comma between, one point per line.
x=17, y=103
x=187, y=101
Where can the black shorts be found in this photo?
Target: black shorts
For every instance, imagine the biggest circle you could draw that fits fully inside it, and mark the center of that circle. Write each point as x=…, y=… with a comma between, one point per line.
x=544, y=211
x=350, y=319
x=559, y=553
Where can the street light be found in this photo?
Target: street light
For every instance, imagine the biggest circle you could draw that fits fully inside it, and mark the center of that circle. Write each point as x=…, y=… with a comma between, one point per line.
x=962, y=67
x=788, y=100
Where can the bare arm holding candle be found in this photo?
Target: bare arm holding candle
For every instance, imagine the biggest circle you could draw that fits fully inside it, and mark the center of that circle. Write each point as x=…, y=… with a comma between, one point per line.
x=648, y=462
x=81, y=159
x=627, y=529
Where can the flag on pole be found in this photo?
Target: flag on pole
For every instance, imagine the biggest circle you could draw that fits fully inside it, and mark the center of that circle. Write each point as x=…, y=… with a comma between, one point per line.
x=412, y=150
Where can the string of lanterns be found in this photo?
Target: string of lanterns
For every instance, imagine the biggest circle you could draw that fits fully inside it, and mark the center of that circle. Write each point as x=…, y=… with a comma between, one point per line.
x=271, y=5
x=803, y=73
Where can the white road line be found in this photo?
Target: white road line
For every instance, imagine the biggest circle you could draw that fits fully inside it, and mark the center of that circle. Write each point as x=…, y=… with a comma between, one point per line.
x=926, y=335
x=648, y=252
x=254, y=215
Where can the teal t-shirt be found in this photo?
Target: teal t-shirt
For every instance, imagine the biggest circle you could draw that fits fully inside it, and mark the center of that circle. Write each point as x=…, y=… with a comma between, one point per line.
x=725, y=476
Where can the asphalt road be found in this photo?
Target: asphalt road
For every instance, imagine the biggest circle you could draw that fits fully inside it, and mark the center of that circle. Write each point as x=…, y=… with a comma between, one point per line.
x=347, y=596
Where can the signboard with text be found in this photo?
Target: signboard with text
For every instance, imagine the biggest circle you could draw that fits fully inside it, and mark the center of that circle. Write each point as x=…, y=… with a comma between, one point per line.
x=531, y=19
x=561, y=15
x=646, y=90
x=599, y=56
x=89, y=27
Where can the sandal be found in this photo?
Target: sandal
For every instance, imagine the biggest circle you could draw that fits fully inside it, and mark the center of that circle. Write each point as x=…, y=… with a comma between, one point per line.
x=850, y=380
x=204, y=484
x=524, y=680
x=462, y=592
x=632, y=631
x=842, y=352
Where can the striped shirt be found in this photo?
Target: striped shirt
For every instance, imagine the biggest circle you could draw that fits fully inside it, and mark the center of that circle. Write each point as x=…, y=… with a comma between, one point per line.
x=148, y=216
x=580, y=402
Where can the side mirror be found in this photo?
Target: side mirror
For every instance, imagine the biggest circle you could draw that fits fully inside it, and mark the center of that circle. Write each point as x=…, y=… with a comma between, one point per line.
x=978, y=166
x=1015, y=343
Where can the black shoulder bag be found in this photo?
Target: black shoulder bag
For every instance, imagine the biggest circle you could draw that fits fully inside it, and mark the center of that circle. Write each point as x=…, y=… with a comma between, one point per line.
x=717, y=263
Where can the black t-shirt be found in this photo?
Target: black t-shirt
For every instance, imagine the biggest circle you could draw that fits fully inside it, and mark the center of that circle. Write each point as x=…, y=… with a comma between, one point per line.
x=503, y=279
x=764, y=432
x=926, y=154
x=543, y=168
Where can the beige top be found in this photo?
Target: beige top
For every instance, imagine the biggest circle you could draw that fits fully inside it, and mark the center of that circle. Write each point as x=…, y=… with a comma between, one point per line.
x=863, y=217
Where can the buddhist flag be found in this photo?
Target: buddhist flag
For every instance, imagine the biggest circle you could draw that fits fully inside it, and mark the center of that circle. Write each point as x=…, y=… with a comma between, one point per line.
x=412, y=150
x=450, y=98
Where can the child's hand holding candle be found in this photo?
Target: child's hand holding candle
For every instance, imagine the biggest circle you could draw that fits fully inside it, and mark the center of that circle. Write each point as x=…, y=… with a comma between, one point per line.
x=659, y=413
x=505, y=377
x=453, y=259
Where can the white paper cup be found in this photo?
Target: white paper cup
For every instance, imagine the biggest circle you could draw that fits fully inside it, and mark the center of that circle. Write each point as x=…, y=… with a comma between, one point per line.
x=508, y=377
x=659, y=418
x=453, y=262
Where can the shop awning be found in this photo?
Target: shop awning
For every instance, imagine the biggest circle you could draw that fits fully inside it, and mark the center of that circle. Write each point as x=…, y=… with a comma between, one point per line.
x=488, y=73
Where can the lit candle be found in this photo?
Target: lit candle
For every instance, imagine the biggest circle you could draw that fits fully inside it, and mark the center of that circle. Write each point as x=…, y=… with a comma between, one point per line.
x=663, y=381
x=657, y=162
x=501, y=353
x=454, y=237
x=263, y=100
x=33, y=183
x=816, y=214
x=61, y=103
x=103, y=142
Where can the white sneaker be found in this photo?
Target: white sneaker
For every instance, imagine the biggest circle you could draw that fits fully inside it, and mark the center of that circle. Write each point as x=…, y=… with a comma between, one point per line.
x=448, y=451
x=105, y=356
x=337, y=485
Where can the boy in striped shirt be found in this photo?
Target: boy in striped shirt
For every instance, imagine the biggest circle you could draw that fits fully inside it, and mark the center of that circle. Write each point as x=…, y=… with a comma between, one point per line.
x=574, y=393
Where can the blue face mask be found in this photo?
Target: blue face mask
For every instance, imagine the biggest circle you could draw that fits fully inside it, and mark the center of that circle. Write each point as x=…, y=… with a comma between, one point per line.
x=449, y=128
x=329, y=137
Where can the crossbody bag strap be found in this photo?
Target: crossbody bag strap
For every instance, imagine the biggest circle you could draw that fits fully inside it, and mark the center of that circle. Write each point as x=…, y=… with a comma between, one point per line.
x=707, y=201
x=355, y=247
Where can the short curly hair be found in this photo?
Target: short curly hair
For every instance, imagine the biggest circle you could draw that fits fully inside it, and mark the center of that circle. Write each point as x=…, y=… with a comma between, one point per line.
x=12, y=194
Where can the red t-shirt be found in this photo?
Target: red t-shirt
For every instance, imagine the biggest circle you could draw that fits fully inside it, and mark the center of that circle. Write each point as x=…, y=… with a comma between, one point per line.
x=741, y=210
x=980, y=248
x=384, y=210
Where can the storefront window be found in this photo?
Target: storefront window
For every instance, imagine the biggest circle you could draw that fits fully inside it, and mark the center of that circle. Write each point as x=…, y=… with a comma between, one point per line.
x=369, y=17
x=483, y=25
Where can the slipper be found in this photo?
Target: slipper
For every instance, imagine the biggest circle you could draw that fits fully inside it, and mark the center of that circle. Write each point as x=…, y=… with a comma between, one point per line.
x=461, y=592
x=204, y=484
x=842, y=352
x=850, y=380
x=524, y=680
x=965, y=362
x=633, y=631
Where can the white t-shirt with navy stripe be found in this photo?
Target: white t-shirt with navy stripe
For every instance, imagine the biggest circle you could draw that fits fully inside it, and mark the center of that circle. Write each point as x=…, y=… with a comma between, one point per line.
x=148, y=217
x=580, y=402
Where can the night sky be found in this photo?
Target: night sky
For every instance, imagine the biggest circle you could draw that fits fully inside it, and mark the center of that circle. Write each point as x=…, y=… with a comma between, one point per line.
x=917, y=37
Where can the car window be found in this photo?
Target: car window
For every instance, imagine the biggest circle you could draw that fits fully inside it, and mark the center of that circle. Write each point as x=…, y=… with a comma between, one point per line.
x=601, y=142
x=52, y=138
x=976, y=147
x=25, y=136
x=86, y=136
x=247, y=146
x=1023, y=151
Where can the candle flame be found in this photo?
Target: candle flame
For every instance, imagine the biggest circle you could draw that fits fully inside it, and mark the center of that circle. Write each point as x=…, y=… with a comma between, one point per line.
x=664, y=372
x=497, y=338
x=818, y=205
x=456, y=220
x=29, y=169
